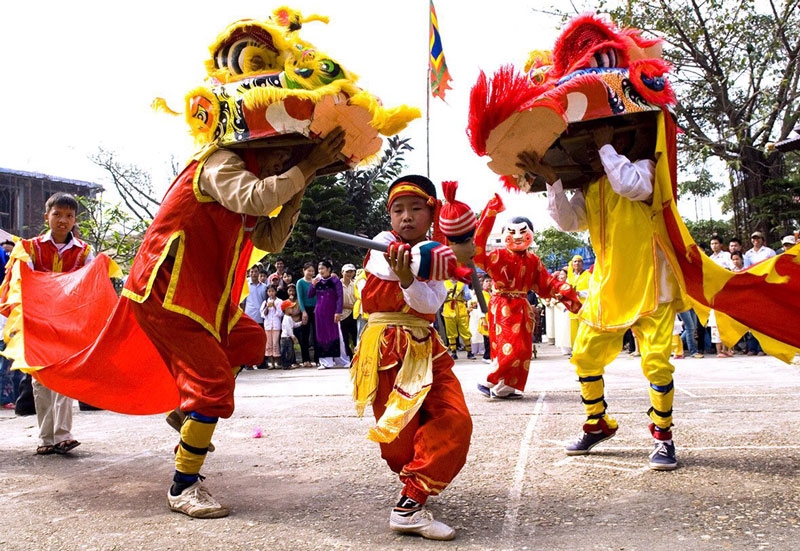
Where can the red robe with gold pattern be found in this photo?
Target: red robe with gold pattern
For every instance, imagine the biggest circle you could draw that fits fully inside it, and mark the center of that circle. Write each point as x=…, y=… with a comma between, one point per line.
x=510, y=323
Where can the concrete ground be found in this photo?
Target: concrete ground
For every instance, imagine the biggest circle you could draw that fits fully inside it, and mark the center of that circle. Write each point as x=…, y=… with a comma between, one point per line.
x=312, y=480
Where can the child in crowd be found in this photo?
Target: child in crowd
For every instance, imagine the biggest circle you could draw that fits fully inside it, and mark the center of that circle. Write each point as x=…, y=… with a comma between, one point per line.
x=475, y=316
x=272, y=313
x=288, y=338
x=403, y=370
x=291, y=310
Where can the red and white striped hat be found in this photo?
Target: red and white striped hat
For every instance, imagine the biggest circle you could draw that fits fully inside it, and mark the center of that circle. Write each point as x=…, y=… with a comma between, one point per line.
x=456, y=219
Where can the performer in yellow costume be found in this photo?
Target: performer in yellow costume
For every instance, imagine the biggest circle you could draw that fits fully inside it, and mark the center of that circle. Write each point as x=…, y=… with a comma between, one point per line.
x=456, y=317
x=623, y=213
x=548, y=123
x=579, y=279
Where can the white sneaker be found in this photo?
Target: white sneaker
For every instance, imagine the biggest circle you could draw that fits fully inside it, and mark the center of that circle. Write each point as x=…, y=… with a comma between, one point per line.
x=421, y=523
x=196, y=501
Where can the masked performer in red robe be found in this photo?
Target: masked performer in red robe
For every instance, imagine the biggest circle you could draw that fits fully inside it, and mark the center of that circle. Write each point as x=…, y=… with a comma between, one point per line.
x=515, y=271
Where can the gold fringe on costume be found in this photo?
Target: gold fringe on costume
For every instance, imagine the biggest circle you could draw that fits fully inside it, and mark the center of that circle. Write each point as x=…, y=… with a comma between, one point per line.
x=413, y=380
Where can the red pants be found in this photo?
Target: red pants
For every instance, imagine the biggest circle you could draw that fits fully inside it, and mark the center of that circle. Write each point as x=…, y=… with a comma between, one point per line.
x=431, y=450
x=201, y=365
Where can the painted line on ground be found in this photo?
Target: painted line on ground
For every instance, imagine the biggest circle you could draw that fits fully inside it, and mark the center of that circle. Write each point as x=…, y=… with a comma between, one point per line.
x=515, y=492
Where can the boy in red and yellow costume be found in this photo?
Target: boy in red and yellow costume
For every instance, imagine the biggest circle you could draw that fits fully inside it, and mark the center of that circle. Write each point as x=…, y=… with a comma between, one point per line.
x=403, y=369
x=57, y=251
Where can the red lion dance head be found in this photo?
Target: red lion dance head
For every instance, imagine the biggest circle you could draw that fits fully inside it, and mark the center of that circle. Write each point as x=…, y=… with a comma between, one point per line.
x=595, y=71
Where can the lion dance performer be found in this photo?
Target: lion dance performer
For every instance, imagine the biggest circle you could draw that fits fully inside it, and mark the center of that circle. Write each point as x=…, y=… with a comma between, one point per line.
x=274, y=113
x=515, y=271
x=592, y=116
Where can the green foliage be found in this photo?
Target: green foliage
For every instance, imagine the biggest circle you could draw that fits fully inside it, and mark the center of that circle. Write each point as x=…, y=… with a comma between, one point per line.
x=556, y=247
x=702, y=230
x=352, y=202
x=778, y=208
x=110, y=229
x=703, y=186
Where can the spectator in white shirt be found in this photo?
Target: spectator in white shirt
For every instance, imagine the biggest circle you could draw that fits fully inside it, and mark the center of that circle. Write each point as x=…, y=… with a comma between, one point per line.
x=759, y=251
x=722, y=258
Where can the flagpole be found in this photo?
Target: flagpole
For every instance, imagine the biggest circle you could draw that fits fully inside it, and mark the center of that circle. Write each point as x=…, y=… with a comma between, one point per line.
x=428, y=99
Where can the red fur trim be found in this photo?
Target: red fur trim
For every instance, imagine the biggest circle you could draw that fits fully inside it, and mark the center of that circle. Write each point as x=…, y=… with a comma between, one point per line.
x=493, y=100
x=652, y=68
x=636, y=36
x=510, y=183
x=582, y=34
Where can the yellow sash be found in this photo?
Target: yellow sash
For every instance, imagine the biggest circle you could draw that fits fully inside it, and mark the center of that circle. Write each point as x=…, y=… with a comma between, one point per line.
x=413, y=380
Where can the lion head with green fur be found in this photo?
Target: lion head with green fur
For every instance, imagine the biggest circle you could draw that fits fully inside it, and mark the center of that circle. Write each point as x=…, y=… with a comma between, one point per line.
x=265, y=82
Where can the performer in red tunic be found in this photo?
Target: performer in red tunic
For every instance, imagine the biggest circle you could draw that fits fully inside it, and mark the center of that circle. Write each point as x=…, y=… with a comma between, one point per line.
x=514, y=271
x=403, y=369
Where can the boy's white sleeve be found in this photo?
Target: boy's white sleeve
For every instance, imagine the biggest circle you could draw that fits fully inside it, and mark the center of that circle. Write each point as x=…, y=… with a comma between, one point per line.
x=426, y=297
x=376, y=263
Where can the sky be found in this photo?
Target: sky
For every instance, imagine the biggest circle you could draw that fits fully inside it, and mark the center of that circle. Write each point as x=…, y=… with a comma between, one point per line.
x=81, y=75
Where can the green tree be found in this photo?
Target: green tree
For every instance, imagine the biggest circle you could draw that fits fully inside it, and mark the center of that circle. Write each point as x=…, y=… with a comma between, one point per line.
x=110, y=229
x=778, y=207
x=351, y=202
x=556, y=247
x=737, y=68
x=702, y=230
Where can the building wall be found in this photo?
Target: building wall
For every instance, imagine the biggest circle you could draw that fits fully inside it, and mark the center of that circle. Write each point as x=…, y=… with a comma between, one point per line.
x=23, y=196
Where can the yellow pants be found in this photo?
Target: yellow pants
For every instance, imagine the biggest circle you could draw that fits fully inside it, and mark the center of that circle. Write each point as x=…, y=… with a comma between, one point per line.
x=595, y=349
x=677, y=345
x=458, y=325
x=574, y=325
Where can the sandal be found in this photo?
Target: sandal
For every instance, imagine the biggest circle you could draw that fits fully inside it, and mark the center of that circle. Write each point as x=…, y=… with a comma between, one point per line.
x=66, y=446
x=45, y=450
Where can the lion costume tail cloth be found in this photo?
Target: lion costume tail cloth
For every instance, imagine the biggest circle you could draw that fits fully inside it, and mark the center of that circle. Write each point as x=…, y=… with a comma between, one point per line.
x=265, y=86
x=71, y=334
x=597, y=72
